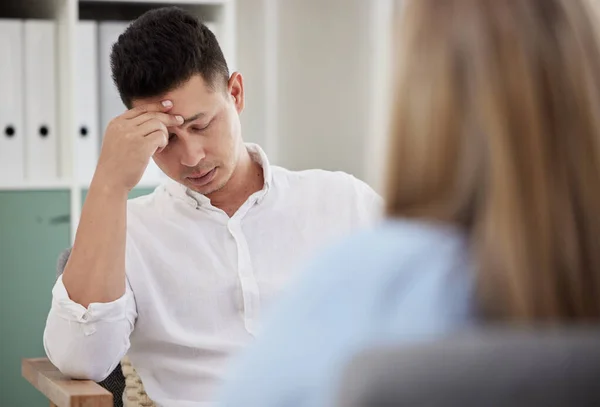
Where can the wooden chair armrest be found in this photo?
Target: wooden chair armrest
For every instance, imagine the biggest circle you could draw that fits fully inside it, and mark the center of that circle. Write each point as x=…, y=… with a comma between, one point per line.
x=61, y=390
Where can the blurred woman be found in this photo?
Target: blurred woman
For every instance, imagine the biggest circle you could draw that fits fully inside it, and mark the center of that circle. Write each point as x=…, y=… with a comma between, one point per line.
x=493, y=201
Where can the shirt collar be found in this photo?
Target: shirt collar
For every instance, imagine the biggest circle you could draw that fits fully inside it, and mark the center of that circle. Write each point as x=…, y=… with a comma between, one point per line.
x=257, y=154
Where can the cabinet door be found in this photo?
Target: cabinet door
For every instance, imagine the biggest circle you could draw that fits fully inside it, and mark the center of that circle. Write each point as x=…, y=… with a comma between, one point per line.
x=135, y=192
x=34, y=228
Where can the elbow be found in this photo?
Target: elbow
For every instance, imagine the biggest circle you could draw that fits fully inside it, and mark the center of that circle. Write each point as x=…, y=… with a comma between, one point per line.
x=77, y=360
x=78, y=367
x=74, y=369
x=90, y=348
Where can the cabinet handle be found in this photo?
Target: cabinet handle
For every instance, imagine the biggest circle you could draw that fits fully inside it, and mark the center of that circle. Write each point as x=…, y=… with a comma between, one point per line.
x=57, y=220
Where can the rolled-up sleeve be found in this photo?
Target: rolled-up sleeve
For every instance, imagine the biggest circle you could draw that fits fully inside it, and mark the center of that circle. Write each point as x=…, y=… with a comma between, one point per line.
x=88, y=343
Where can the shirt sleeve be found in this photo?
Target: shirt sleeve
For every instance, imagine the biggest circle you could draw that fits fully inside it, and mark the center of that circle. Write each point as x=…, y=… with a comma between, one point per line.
x=88, y=343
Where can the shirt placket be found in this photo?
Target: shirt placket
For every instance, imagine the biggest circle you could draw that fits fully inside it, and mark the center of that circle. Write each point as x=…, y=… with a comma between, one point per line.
x=248, y=283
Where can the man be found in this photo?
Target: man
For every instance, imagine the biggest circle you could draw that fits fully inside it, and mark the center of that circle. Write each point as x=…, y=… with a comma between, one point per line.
x=178, y=279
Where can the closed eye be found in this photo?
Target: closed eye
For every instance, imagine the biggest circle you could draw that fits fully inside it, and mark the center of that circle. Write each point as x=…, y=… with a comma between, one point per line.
x=198, y=129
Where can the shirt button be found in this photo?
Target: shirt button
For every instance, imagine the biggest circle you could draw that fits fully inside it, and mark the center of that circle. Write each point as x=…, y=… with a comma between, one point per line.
x=89, y=330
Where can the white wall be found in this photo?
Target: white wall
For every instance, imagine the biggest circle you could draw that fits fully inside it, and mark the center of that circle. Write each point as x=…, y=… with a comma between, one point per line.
x=315, y=75
x=323, y=84
x=252, y=63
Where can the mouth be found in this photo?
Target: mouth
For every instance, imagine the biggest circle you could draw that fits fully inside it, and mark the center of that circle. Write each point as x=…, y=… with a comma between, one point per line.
x=201, y=179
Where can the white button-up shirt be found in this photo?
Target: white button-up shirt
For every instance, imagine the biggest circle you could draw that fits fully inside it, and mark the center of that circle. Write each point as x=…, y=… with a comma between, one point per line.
x=198, y=280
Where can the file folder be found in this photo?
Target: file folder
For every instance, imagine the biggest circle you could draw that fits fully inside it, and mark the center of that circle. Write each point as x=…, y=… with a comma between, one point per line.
x=110, y=101
x=41, y=136
x=87, y=145
x=12, y=136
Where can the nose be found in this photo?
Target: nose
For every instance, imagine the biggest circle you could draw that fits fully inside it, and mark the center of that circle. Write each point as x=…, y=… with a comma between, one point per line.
x=192, y=151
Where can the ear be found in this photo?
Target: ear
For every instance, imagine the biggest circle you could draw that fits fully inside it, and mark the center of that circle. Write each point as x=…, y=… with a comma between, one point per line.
x=235, y=90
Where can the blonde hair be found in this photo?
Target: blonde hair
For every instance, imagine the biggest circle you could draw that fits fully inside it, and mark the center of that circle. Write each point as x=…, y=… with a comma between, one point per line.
x=496, y=129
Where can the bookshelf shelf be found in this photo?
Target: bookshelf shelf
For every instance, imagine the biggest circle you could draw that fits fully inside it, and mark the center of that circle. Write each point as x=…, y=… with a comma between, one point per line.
x=35, y=186
x=160, y=2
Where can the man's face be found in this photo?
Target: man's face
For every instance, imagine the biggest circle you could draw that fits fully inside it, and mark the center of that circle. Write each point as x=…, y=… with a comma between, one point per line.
x=203, y=152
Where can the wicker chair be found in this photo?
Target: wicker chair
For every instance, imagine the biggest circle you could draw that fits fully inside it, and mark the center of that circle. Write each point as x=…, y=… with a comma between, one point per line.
x=122, y=388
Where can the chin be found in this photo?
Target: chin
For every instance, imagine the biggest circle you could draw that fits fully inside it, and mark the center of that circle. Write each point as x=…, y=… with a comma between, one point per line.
x=208, y=189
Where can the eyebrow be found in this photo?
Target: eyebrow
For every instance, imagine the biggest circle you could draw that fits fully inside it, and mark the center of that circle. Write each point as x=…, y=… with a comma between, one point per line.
x=194, y=117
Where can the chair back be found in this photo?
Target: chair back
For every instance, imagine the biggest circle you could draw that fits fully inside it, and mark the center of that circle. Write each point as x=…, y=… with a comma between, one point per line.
x=492, y=368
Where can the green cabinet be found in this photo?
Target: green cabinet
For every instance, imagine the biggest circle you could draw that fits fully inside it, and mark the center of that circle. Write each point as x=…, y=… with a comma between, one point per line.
x=133, y=194
x=34, y=228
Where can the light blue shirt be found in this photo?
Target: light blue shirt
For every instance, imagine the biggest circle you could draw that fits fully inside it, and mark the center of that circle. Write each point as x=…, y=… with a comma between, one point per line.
x=401, y=282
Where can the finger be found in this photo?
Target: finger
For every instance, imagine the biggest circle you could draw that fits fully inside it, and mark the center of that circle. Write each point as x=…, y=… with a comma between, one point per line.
x=151, y=126
x=163, y=106
x=169, y=120
x=156, y=141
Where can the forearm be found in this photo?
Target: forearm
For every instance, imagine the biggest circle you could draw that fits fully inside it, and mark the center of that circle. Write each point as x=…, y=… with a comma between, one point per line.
x=95, y=271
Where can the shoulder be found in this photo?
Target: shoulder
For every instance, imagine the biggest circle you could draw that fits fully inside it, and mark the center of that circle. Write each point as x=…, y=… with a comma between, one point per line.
x=335, y=189
x=414, y=276
x=401, y=237
x=339, y=180
x=142, y=202
x=144, y=207
x=394, y=261
x=396, y=281
x=393, y=247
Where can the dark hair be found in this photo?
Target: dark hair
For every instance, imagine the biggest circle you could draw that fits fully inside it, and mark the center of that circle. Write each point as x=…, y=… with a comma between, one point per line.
x=161, y=50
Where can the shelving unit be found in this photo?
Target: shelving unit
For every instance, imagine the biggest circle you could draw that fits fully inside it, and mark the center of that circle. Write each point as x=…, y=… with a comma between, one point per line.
x=39, y=217
x=66, y=14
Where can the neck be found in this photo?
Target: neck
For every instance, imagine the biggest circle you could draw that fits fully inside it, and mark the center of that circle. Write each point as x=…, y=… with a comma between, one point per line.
x=247, y=178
